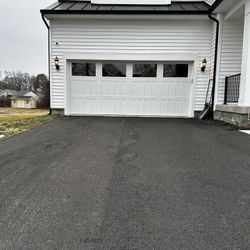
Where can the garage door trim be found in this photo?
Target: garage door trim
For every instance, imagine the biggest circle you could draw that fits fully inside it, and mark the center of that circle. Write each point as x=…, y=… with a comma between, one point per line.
x=135, y=57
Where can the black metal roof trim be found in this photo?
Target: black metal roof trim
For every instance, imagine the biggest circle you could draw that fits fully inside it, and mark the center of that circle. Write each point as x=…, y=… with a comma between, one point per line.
x=85, y=7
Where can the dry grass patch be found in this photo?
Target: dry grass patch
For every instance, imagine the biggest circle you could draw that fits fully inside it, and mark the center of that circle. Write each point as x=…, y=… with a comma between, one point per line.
x=11, y=124
x=26, y=111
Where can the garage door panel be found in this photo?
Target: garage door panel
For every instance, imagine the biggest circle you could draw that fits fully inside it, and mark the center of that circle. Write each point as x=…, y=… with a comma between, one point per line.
x=156, y=96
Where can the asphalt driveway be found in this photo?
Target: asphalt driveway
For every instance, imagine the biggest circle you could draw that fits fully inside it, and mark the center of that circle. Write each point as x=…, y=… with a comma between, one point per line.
x=105, y=183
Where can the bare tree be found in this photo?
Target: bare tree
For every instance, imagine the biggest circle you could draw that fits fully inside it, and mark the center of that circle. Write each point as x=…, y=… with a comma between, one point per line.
x=18, y=80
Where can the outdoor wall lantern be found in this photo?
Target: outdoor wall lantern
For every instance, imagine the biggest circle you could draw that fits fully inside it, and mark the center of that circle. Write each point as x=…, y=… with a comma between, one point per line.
x=204, y=65
x=57, y=63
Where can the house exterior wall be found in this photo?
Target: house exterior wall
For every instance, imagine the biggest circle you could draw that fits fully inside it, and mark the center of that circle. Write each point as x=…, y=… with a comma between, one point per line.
x=13, y=104
x=22, y=103
x=230, y=53
x=18, y=103
x=130, y=36
x=32, y=103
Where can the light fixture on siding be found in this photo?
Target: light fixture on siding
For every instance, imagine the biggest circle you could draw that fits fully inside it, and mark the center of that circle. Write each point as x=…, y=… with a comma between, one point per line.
x=204, y=65
x=57, y=63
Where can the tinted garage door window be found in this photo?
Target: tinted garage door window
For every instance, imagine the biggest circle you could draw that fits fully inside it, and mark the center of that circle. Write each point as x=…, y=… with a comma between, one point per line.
x=175, y=70
x=114, y=70
x=83, y=69
x=144, y=70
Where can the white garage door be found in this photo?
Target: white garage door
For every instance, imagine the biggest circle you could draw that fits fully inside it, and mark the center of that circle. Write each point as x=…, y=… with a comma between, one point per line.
x=130, y=89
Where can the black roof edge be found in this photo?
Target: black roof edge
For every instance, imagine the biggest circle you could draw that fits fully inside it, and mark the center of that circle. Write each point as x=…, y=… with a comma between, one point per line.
x=44, y=12
x=190, y=1
x=133, y=12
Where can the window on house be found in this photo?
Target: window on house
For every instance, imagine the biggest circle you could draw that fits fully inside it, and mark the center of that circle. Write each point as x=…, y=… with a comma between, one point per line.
x=114, y=69
x=144, y=70
x=83, y=69
x=175, y=70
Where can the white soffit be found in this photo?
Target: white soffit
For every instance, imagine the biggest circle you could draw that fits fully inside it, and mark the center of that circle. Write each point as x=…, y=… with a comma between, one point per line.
x=129, y=2
x=226, y=5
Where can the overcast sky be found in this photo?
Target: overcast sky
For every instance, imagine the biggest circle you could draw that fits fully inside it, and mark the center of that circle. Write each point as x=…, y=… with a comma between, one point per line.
x=23, y=36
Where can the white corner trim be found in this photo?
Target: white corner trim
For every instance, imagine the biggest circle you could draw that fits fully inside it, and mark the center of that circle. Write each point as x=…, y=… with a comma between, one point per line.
x=156, y=57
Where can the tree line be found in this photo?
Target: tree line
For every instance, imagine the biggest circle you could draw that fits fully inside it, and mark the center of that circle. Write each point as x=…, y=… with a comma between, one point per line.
x=18, y=80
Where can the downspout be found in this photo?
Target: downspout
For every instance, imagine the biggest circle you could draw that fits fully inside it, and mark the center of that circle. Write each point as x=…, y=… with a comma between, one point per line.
x=47, y=25
x=215, y=57
x=213, y=7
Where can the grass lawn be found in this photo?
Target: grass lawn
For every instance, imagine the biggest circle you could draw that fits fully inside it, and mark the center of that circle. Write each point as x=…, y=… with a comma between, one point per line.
x=20, y=120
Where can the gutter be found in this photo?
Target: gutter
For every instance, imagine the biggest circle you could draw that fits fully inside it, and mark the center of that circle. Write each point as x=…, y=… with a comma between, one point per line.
x=47, y=25
x=119, y=12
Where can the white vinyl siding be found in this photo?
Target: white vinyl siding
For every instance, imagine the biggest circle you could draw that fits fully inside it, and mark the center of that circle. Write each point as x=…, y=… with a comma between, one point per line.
x=131, y=36
x=230, y=57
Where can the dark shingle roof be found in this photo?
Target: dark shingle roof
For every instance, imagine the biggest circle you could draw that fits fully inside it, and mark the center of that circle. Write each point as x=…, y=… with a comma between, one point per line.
x=13, y=92
x=85, y=7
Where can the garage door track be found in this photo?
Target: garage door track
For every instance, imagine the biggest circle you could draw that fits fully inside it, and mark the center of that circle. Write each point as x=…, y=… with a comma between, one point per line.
x=106, y=183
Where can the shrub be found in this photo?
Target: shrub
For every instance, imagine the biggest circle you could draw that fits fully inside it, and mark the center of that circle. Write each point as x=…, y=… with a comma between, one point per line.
x=5, y=102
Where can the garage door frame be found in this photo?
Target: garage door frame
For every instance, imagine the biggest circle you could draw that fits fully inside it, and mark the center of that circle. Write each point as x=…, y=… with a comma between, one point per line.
x=133, y=57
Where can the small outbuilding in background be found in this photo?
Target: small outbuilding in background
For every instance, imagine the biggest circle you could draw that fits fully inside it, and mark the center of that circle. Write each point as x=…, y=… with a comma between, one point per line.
x=27, y=101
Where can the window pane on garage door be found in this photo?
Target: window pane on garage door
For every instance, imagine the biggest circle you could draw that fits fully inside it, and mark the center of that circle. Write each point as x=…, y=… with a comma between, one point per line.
x=114, y=69
x=175, y=70
x=83, y=69
x=144, y=70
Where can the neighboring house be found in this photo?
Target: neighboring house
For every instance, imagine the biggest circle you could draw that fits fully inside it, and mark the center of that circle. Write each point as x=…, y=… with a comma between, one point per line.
x=11, y=92
x=150, y=58
x=21, y=99
x=27, y=102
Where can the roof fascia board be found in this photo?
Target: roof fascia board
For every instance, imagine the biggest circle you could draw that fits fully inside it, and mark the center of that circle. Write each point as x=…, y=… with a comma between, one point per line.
x=152, y=12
